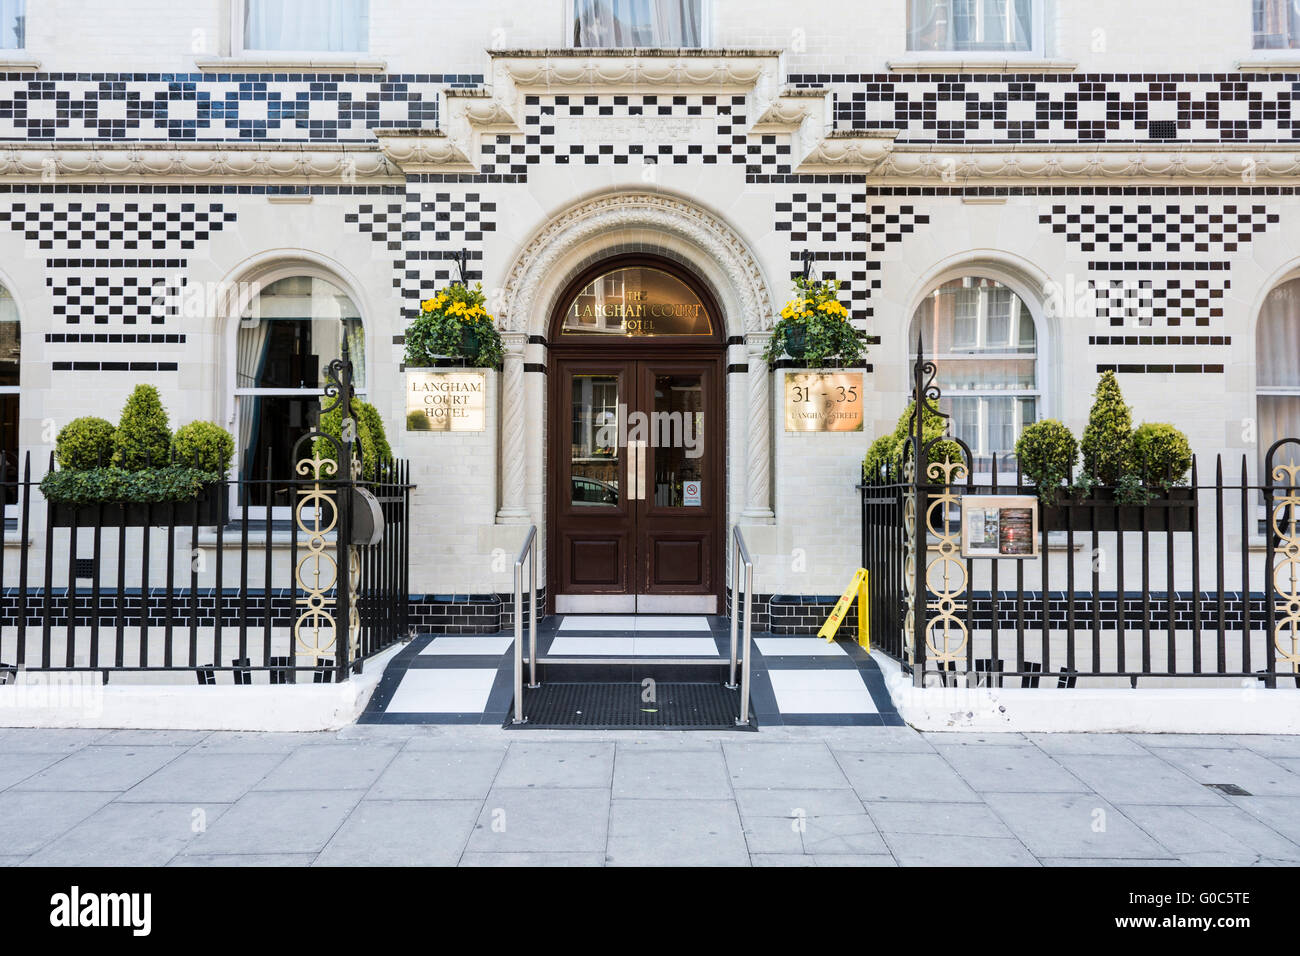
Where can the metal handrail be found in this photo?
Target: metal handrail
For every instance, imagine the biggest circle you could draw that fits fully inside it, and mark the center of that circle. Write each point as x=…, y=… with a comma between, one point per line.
x=739, y=554
x=526, y=553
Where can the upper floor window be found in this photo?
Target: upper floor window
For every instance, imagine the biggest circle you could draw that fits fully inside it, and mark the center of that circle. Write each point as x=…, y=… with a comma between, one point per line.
x=13, y=24
x=647, y=23
x=973, y=26
x=1277, y=24
x=307, y=26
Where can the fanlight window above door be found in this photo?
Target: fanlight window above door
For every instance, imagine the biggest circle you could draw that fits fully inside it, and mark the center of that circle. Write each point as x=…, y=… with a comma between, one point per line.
x=637, y=301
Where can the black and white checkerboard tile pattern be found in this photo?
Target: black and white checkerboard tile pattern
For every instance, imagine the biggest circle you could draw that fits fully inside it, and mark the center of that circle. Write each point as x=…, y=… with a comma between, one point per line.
x=1159, y=228
x=105, y=287
x=311, y=107
x=455, y=679
x=430, y=224
x=845, y=230
x=1171, y=302
x=1086, y=107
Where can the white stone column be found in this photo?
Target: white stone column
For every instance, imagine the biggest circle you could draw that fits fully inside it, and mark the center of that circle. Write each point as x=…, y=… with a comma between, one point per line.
x=514, y=507
x=758, y=452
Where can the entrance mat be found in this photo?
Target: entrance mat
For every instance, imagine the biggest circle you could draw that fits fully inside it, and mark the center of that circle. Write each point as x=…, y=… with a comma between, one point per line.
x=619, y=706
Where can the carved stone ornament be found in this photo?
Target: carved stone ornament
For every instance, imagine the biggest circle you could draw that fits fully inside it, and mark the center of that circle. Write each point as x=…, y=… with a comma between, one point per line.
x=636, y=211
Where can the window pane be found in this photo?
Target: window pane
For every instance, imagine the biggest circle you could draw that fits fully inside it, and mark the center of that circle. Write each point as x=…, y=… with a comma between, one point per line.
x=294, y=330
x=623, y=23
x=270, y=426
x=10, y=340
x=595, y=458
x=970, y=25
x=677, y=439
x=325, y=26
x=1276, y=23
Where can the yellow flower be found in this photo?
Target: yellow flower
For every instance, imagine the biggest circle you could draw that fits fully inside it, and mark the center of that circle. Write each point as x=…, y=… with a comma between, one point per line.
x=428, y=305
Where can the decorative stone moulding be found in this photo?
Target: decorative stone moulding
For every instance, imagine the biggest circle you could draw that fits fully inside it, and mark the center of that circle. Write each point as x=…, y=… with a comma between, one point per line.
x=428, y=150
x=267, y=162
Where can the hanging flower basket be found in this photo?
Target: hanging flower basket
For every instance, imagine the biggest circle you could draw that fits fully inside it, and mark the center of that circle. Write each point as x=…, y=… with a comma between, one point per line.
x=454, y=323
x=814, y=326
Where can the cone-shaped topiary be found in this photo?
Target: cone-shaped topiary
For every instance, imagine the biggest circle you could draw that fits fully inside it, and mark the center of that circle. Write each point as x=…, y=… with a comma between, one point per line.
x=84, y=443
x=1107, y=440
x=205, y=446
x=143, y=438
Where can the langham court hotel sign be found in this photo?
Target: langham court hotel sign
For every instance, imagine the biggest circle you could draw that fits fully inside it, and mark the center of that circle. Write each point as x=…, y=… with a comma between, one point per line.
x=445, y=401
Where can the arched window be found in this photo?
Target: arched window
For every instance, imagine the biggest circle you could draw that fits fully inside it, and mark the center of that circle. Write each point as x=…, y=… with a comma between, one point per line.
x=1277, y=366
x=10, y=356
x=293, y=329
x=983, y=339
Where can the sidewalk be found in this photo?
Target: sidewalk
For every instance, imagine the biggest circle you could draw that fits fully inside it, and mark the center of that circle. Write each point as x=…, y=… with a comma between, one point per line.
x=476, y=795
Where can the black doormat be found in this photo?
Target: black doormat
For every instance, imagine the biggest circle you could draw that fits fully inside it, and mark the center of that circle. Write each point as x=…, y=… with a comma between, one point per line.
x=617, y=706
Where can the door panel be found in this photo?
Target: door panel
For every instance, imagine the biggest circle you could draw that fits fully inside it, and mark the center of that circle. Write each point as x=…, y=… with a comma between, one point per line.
x=638, y=492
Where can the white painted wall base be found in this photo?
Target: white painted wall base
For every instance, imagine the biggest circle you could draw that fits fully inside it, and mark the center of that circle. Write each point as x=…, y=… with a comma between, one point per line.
x=1182, y=710
x=81, y=700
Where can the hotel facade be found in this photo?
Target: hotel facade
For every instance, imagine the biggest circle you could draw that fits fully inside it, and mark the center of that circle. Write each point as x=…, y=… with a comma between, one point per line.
x=1036, y=190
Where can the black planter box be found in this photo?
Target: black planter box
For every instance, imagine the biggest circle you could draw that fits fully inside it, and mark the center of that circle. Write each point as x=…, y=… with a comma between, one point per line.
x=1098, y=513
x=211, y=508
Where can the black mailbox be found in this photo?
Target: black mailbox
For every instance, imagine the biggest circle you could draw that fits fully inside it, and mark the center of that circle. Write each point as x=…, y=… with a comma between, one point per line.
x=367, y=518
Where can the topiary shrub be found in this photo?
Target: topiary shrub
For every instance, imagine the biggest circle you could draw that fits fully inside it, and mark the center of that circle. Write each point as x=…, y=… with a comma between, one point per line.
x=882, y=458
x=1107, y=444
x=205, y=446
x=1046, y=451
x=112, y=485
x=1161, y=454
x=369, y=434
x=143, y=438
x=84, y=443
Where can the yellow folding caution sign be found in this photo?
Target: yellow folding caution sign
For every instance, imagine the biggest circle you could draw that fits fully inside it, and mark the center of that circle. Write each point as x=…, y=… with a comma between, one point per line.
x=857, y=589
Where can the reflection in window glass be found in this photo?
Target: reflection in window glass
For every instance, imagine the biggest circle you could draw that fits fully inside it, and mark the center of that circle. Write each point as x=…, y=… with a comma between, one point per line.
x=679, y=439
x=1277, y=372
x=294, y=329
x=970, y=26
x=595, y=457
x=10, y=356
x=307, y=26
x=1277, y=24
x=983, y=340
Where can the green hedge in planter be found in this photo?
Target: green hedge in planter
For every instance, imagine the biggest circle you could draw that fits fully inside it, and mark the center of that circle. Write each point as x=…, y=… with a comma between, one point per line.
x=113, y=485
x=85, y=443
x=205, y=446
x=143, y=438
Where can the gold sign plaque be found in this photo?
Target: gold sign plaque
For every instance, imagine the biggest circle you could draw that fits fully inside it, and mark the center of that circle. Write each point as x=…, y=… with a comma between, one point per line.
x=823, y=401
x=446, y=401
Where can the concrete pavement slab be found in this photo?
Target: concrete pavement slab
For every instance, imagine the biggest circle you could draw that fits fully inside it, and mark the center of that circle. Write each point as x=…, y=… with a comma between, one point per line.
x=271, y=821
x=1023, y=769
x=128, y=834
x=905, y=776
x=641, y=773
x=917, y=849
x=1072, y=825
x=676, y=833
x=201, y=778
x=29, y=820
x=339, y=766
x=1138, y=779
x=402, y=833
x=938, y=819
x=443, y=774
x=102, y=768
x=761, y=765
x=565, y=819
x=538, y=763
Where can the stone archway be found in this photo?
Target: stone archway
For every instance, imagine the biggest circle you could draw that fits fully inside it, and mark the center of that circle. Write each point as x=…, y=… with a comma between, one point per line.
x=600, y=227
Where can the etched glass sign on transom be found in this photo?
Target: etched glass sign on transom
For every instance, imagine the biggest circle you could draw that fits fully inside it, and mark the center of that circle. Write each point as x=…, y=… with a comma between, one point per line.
x=637, y=301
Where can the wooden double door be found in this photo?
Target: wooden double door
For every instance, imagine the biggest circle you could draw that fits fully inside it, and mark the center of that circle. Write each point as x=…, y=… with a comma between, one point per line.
x=637, y=497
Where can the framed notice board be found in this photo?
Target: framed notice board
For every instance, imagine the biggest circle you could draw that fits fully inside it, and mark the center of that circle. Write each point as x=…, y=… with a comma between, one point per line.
x=999, y=526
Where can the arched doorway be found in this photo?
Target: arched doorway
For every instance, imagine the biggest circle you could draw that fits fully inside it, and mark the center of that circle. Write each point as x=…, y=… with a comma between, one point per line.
x=636, y=497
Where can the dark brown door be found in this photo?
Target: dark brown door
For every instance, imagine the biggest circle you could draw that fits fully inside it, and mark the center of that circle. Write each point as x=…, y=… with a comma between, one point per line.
x=638, y=496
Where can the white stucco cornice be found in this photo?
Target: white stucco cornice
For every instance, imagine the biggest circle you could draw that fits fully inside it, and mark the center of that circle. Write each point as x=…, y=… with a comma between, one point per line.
x=683, y=70
x=427, y=150
x=1219, y=164
x=196, y=162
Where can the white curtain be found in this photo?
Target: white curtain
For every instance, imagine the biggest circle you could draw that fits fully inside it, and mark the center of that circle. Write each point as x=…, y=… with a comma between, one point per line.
x=250, y=359
x=970, y=25
x=624, y=23
x=13, y=24
x=325, y=26
x=1277, y=366
x=1277, y=24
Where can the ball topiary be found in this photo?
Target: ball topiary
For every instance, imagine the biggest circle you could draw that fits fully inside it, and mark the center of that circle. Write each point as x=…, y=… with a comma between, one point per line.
x=1161, y=454
x=205, y=446
x=1046, y=451
x=84, y=443
x=888, y=450
x=1107, y=444
x=143, y=438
